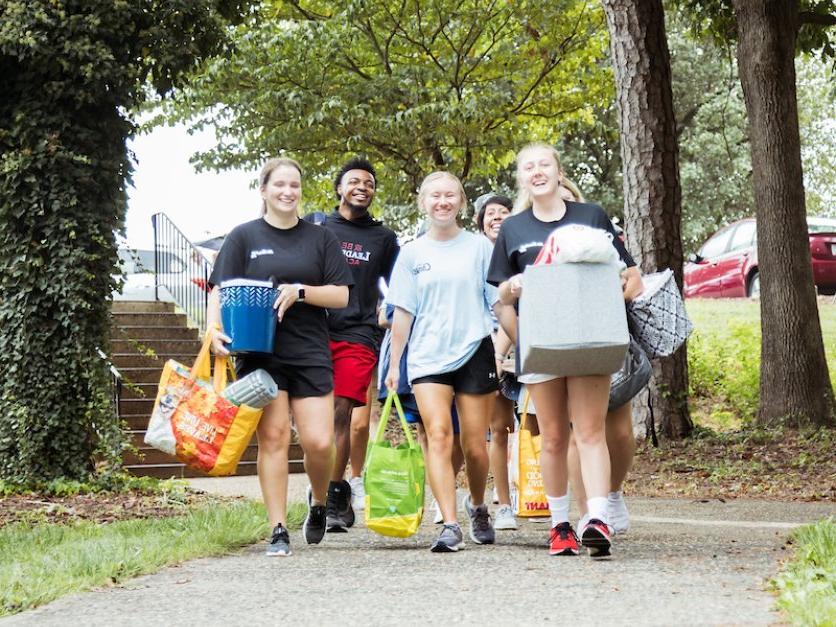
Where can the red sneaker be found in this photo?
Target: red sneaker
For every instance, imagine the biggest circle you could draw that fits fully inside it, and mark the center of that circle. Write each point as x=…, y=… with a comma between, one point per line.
x=596, y=537
x=563, y=540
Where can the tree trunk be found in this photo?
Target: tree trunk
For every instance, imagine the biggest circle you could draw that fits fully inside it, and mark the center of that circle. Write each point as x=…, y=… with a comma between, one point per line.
x=652, y=197
x=795, y=385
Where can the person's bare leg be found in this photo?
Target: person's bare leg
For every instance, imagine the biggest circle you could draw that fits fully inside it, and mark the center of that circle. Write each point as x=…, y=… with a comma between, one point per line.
x=360, y=420
x=457, y=456
x=315, y=424
x=273, y=443
x=342, y=435
x=502, y=423
x=587, y=398
x=474, y=417
x=575, y=477
x=552, y=418
x=621, y=443
x=434, y=403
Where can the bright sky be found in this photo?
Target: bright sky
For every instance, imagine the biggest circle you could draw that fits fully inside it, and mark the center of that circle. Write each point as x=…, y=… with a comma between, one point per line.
x=201, y=205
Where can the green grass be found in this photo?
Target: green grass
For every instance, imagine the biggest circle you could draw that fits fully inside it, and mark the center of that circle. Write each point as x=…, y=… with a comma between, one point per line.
x=807, y=586
x=41, y=563
x=724, y=359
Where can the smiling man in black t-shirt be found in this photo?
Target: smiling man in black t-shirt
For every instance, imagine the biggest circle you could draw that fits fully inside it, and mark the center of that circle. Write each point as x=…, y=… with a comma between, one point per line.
x=370, y=249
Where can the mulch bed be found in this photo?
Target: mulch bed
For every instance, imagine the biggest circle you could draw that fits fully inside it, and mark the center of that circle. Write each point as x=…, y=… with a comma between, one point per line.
x=783, y=465
x=102, y=507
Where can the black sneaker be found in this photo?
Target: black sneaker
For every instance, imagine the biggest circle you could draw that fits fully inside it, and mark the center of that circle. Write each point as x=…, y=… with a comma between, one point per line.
x=339, y=512
x=313, y=529
x=279, y=543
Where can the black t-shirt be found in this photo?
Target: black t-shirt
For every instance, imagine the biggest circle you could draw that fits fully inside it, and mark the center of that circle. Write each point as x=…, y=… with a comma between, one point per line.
x=370, y=250
x=305, y=254
x=522, y=236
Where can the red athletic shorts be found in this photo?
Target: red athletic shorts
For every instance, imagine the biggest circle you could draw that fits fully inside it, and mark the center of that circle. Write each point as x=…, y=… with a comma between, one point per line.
x=353, y=367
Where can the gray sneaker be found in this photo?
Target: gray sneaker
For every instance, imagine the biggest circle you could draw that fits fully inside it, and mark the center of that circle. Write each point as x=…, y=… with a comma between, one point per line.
x=279, y=542
x=449, y=540
x=481, y=528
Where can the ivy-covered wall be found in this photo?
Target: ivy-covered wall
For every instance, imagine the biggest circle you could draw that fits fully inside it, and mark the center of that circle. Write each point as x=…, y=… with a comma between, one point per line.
x=70, y=74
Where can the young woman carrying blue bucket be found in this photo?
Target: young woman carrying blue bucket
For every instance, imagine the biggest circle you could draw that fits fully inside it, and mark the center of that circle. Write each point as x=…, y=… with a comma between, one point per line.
x=307, y=266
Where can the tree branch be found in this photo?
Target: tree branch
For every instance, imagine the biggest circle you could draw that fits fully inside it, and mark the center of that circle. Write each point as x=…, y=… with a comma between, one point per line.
x=821, y=19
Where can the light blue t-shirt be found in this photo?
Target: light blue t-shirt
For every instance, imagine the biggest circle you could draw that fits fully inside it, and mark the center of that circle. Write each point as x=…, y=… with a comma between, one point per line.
x=443, y=284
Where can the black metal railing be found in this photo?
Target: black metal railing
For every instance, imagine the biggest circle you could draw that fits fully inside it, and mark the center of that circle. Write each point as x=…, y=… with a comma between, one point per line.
x=181, y=269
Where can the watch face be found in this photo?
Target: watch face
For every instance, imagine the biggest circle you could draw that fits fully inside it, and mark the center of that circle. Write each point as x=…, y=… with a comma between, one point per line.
x=301, y=294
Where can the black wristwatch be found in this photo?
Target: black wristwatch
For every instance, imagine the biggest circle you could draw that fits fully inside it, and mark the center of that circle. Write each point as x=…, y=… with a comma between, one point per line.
x=300, y=293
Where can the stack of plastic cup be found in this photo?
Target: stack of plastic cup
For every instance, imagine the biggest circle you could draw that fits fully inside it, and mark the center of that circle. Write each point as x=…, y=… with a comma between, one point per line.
x=256, y=390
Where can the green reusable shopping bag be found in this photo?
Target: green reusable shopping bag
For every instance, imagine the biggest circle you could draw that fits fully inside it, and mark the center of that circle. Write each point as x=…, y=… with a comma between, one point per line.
x=394, y=480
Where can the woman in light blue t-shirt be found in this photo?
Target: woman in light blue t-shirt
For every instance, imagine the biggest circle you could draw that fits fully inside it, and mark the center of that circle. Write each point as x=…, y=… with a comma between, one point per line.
x=440, y=292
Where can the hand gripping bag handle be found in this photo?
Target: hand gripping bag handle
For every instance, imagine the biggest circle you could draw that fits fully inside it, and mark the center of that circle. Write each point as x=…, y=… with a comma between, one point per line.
x=202, y=368
x=384, y=419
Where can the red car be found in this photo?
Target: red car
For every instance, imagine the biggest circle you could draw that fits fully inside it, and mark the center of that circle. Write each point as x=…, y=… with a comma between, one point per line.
x=727, y=264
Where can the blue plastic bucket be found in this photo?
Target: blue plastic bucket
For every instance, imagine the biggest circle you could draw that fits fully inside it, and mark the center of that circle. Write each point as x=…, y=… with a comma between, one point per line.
x=248, y=316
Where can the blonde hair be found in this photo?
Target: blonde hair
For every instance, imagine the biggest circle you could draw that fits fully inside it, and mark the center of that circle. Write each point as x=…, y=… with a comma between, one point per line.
x=573, y=189
x=433, y=177
x=267, y=170
x=523, y=200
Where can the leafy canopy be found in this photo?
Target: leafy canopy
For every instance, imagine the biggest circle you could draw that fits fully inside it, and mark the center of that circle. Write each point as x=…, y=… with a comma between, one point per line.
x=416, y=86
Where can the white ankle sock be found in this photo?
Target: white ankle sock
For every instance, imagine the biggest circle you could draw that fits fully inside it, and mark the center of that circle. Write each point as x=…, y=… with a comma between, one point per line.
x=615, y=496
x=597, y=507
x=559, y=508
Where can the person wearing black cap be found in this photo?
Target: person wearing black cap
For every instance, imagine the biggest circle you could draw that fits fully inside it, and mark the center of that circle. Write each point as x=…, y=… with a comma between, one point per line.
x=491, y=211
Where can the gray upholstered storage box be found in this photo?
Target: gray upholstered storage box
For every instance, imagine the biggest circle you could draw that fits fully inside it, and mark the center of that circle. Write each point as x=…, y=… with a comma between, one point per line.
x=572, y=320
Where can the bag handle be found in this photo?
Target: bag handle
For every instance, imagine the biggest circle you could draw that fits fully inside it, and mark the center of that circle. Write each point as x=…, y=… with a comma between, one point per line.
x=384, y=419
x=524, y=416
x=202, y=368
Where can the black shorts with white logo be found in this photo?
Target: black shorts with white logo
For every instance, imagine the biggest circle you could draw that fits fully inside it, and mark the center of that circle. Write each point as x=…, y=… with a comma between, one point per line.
x=297, y=381
x=476, y=376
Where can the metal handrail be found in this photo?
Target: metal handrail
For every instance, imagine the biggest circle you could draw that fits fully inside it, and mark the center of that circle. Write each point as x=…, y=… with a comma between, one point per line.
x=116, y=380
x=182, y=269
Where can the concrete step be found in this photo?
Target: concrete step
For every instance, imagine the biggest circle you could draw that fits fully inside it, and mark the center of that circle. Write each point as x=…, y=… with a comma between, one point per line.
x=150, y=319
x=142, y=375
x=139, y=391
x=148, y=455
x=132, y=407
x=140, y=333
x=124, y=361
x=132, y=306
x=155, y=345
x=172, y=468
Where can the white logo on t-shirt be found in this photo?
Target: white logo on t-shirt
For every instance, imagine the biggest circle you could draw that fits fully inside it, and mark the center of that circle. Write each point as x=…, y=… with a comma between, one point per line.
x=524, y=247
x=263, y=251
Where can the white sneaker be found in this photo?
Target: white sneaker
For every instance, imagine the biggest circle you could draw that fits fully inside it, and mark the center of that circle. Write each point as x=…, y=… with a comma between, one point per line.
x=619, y=517
x=438, y=517
x=504, y=518
x=358, y=494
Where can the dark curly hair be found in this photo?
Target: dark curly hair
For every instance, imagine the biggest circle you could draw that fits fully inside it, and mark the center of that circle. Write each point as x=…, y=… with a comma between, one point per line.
x=357, y=163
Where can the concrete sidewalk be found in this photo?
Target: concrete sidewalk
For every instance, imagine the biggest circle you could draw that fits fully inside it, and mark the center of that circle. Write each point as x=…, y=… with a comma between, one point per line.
x=683, y=562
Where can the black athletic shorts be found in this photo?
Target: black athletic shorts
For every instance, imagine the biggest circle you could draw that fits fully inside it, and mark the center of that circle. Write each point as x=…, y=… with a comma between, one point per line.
x=476, y=376
x=297, y=381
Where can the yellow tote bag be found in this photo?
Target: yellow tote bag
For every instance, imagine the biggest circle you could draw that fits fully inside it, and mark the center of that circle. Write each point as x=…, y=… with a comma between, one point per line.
x=193, y=422
x=531, y=494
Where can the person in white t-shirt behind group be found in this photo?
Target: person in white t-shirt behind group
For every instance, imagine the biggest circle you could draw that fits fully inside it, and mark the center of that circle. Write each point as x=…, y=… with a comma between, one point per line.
x=439, y=284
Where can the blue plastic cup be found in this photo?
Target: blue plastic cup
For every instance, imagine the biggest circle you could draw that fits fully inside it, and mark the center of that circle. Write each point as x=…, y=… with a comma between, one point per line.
x=248, y=316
